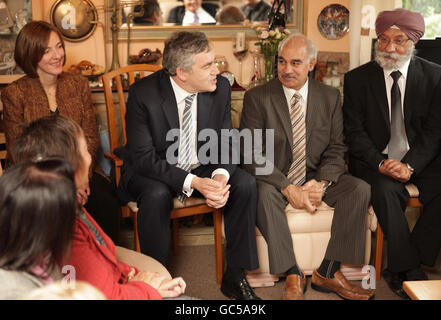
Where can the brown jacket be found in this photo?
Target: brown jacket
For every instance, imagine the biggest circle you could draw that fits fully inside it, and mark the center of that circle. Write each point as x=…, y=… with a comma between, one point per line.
x=25, y=100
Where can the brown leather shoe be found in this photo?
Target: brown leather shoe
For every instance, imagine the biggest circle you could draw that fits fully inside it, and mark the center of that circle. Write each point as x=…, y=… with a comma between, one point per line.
x=294, y=287
x=341, y=286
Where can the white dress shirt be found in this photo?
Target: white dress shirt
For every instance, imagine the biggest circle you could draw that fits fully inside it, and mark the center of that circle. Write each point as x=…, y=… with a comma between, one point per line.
x=180, y=95
x=303, y=92
x=401, y=84
x=203, y=16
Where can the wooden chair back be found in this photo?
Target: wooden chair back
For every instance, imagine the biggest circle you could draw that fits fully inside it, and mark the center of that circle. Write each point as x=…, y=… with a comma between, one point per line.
x=113, y=81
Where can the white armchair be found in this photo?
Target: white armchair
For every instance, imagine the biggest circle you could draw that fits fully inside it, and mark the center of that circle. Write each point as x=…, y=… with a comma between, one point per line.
x=310, y=234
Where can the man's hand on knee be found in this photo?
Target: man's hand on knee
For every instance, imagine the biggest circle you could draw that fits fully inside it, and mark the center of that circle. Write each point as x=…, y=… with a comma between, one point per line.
x=315, y=191
x=298, y=198
x=396, y=170
x=215, y=192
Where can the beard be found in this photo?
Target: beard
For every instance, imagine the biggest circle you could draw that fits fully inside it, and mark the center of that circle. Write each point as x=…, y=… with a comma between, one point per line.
x=393, y=61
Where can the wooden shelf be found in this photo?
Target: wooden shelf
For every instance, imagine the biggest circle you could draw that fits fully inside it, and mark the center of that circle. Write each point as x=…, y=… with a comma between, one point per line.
x=6, y=79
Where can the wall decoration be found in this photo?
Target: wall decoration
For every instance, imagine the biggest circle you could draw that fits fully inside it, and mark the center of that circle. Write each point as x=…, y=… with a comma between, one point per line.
x=333, y=21
x=76, y=19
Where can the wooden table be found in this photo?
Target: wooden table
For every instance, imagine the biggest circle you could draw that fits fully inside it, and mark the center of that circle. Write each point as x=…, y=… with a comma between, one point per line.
x=423, y=290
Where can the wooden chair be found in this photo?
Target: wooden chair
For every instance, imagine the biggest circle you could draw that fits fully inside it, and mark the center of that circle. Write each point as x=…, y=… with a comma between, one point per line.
x=2, y=152
x=413, y=202
x=193, y=206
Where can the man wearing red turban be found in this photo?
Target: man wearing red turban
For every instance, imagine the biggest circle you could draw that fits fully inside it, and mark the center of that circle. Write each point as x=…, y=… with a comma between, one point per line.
x=392, y=119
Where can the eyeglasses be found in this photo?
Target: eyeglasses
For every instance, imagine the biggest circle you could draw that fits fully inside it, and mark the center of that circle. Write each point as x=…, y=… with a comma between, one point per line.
x=383, y=41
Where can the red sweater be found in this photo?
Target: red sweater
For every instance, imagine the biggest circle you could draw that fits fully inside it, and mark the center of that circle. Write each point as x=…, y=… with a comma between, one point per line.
x=97, y=264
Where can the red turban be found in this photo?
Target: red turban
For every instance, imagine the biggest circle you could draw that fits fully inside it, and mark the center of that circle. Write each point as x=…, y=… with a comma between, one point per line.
x=411, y=23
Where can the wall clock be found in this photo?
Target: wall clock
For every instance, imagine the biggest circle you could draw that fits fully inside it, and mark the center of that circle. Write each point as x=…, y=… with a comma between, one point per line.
x=76, y=19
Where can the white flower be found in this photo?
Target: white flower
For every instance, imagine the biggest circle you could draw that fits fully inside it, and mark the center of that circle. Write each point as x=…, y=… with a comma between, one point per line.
x=287, y=31
x=272, y=33
x=264, y=35
x=278, y=35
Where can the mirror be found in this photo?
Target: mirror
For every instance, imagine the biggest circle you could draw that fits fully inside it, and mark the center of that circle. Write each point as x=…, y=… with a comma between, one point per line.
x=145, y=30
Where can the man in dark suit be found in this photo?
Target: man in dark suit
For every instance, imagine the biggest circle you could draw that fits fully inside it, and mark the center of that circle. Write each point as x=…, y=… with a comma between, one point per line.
x=152, y=15
x=314, y=155
x=255, y=10
x=193, y=12
x=392, y=124
x=168, y=113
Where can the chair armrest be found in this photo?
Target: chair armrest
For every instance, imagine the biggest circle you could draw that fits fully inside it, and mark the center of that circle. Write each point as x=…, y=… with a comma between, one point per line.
x=114, y=158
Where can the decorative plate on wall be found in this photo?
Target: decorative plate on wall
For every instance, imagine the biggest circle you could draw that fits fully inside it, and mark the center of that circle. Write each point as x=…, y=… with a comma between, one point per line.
x=333, y=21
x=76, y=19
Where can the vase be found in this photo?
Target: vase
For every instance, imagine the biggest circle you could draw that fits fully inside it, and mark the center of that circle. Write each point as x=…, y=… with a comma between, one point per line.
x=269, y=67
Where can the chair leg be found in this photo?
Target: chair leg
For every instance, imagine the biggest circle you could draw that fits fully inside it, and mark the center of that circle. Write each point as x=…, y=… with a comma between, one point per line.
x=135, y=230
x=378, y=252
x=217, y=221
x=175, y=236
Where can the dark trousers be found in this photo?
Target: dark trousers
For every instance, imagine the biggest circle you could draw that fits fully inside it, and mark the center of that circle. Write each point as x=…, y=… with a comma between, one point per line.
x=155, y=201
x=103, y=205
x=407, y=250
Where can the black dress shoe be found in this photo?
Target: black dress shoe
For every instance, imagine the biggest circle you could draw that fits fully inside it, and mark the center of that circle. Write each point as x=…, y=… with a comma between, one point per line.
x=395, y=282
x=238, y=289
x=416, y=275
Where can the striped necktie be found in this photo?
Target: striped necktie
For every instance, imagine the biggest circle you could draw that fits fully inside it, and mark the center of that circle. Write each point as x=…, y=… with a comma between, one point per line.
x=297, y=171
x=184, y=160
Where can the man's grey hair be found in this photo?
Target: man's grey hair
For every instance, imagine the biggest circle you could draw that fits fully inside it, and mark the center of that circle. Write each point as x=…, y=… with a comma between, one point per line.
x=312, y=50
x=180, y=49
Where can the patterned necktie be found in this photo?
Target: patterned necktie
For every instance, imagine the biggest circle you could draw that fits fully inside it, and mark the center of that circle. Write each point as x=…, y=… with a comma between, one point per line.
x=297, y=171
x=398, y=138
x=186, y=140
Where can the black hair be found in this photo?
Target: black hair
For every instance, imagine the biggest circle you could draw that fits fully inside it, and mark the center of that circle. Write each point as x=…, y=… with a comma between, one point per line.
x=38, y=205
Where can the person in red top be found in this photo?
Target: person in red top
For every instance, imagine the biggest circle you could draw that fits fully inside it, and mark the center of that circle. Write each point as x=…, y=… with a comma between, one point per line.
x=93, y=253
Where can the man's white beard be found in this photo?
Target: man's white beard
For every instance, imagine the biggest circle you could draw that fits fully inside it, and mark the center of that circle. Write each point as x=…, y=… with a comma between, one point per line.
x=384, y=58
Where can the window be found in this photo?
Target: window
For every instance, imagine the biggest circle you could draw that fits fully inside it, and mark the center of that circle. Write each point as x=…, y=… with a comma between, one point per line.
x=431, y=11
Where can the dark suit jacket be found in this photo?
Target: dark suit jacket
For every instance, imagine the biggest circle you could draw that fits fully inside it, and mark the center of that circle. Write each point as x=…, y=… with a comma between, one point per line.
x=366, y=115
x=177, y=14
x=259, y=13
x=265, y=107
x=151, y=112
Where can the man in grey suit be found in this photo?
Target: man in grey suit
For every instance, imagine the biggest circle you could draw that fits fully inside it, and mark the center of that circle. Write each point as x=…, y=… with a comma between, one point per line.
x=309, y=168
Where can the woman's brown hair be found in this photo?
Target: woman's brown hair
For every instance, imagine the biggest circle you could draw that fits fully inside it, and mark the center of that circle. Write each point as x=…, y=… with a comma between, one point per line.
x=51, y=136
x=31, y=44
x=38, y=205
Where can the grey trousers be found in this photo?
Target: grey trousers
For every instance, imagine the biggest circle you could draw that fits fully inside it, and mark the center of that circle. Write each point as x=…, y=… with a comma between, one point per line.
x=350, y=198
